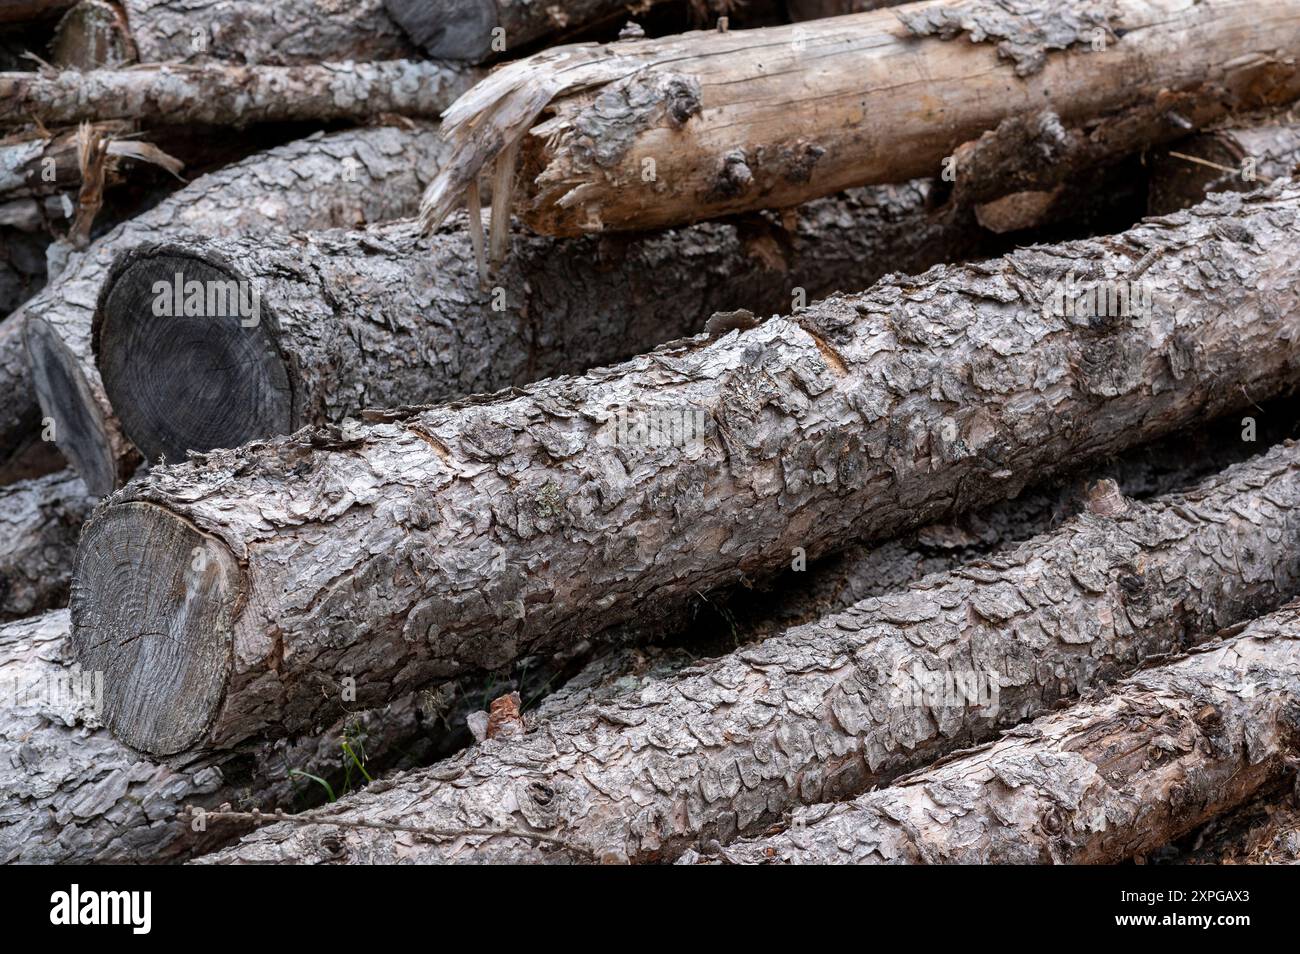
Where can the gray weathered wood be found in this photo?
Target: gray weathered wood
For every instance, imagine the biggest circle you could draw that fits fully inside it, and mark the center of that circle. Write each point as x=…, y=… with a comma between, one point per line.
x=429, y=542
x=343, y=179
x=1101, y=782
x=828, y=710
x=40, y=521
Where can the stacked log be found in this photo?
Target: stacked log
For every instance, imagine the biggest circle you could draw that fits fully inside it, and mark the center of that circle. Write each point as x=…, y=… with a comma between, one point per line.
x=828, y=710
x=614, y=496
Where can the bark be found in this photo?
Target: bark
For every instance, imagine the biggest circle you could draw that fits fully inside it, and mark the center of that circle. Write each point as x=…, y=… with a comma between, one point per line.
x=506, y=525
x=285, y=33
x=229, y=95
x=1238, y=159
x=71, y=794
x=23, y=11
x=341, y=179
x=35, y=164
x=374, y=318
x=22, y=273
x=652, y=133
x=826, y=711
x=1099, y=783
x=39, y=523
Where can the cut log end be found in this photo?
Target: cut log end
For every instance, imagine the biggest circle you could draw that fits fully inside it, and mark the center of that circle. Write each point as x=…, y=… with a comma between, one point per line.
x=452, y=30
x=65, y=395
x=197, y=371
x=152, y=610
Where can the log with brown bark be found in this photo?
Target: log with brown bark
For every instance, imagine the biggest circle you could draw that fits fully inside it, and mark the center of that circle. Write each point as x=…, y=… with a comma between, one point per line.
x=40, y=521
x=92, y=35
x=284, y=33
x=72, y=794
x=828, y=710
x=376, y=318
x=338, y=180
x=1099, y=783
x=504, y=525
x=221, y=94
x=650, y=133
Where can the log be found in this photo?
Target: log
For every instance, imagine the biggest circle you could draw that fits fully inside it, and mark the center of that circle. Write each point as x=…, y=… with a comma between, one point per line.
x=221, y=94
x=824, y=711
x=92, y=35
x=1099, y=783
x=71, y=794
x=503, y=525
x=39, y=523
x=286, y=33
x=340, y=179
x=1238, y=159
x=317, y=351
x=653, y=133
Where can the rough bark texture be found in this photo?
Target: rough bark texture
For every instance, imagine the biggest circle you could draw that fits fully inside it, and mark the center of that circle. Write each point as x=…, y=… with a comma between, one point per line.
x=352, y=320
x=825, y=711
x=505, y=525
x=1098, y=783
x=39, y=523
x=229, y=95
x=338, y=180
x=70, y=793
x=92, y=35
x=1238, y=159
x=652, y=133
x=283, y=33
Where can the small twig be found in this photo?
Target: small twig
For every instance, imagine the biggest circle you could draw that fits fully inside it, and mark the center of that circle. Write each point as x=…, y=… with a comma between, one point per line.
x=1266, y=180
x=306, y=819
x=1144, y=263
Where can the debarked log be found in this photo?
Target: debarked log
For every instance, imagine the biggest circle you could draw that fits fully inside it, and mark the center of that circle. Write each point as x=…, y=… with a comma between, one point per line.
x=204, y=344
x=653, y=133
x=284, y=33
x=828, y=710
x=509, y=524
x=224, y=94
x=343, y=179
x=1099, y=783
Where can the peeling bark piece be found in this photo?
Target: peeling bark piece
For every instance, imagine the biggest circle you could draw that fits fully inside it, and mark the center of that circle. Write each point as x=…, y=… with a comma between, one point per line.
x=71, y=794
x=229, y=95
x=338, y=180
x=284, y=33
x=653, y=133
x=1237, y=159
x=828, y=710
x=1099, y=783
x=39, y=523
x=516, y=523
x=350, y=320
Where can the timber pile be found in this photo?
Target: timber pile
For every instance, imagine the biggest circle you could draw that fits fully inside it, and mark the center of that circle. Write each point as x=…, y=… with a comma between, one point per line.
x=486, y=431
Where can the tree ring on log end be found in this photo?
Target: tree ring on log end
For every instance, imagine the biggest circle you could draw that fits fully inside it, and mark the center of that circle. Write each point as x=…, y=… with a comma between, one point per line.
x=189, y=356
x=65, y=397
x=153, y=607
